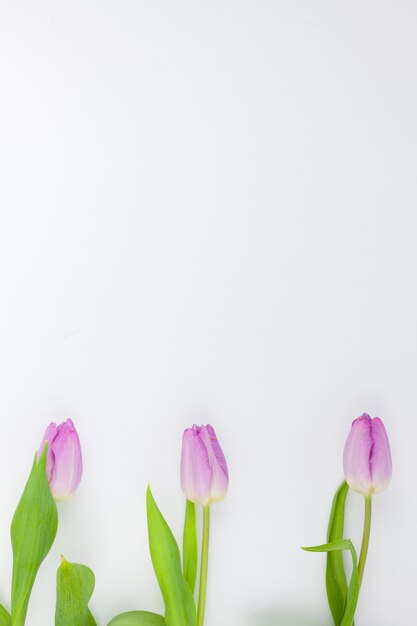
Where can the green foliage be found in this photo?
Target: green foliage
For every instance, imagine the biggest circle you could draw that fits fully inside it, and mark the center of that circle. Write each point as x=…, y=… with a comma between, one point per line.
x=33, y=532
x=74, y=588
x=353, y=589
x=5, y=619
x=190, y=548
x=336, y=582
x=137, y=618
x=178, y=598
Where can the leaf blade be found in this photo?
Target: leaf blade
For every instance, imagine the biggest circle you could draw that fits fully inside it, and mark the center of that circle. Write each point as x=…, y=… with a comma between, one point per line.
x=353, y=591
x=336, y=581
x=178, y=598
x=137, y=618
x=5, y=617
x=190, y=548
x=353, y=588
x=74, y=586
x=33, y=530
x=90, y=619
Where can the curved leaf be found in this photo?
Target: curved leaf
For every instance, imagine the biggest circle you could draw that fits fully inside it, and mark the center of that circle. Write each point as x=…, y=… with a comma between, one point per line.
x=336, y=582
x=190, y=548
x=74, y=588
x=5, y=618
x=137, y=618
x=353, y=589
x=32, y=532
x=178, y=598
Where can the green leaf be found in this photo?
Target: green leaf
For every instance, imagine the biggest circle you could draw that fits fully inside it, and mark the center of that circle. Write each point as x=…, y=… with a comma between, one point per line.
x=353, y=589
x=137, y=618
x=178, y=598
x=33, y=531
x=5, y=619
x=336, y=582
x=341, y=544
x=74, y=588
x=190, y=545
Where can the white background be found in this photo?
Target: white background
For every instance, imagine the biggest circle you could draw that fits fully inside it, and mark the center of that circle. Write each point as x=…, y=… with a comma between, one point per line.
x=208, y=213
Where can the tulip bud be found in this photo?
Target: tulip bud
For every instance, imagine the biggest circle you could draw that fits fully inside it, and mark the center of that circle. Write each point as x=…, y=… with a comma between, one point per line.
x=204, y=475
x=367, y=457
x=64, y=461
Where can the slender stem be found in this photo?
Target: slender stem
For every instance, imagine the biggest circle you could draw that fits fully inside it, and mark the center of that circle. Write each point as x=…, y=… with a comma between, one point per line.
x=204, y=565
x=365, y=537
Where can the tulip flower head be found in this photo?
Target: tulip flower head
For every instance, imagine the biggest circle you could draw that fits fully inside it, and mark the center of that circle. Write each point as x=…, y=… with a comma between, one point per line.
x=367, y=456
x=64, y=461
x=204, y=474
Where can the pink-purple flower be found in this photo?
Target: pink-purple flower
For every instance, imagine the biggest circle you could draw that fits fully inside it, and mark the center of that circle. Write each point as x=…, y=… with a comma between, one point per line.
x=367, y=457
x=64, y=464
x=204, y=474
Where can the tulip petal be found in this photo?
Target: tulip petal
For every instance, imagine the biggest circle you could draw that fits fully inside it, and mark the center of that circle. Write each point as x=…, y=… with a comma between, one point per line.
x=67, y=470
x=380, y=459
x=220, y=474
x=357, y=454
x=195, y=467
x=217, y=451
x=49, y=436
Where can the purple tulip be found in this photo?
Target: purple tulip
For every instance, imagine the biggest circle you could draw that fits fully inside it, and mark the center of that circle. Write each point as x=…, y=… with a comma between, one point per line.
x=204, y=475
x=64, y=464
x=367, y=456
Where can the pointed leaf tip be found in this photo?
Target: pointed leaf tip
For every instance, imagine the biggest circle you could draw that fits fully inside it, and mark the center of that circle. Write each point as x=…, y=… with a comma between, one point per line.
x=178, y=598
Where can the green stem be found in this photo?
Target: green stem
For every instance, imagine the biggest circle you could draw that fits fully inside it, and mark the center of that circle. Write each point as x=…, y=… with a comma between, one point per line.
x=204, y=565
x=365, y=537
